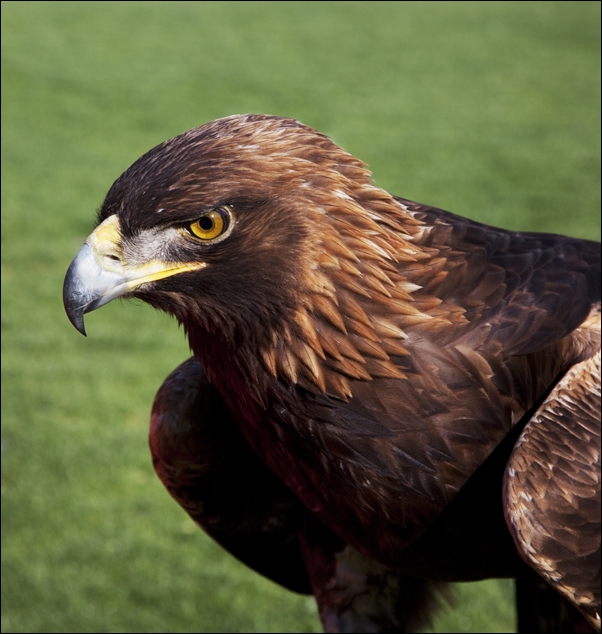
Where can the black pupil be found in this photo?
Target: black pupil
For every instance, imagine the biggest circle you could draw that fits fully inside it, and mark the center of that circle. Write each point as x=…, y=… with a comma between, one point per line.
x=206, y=223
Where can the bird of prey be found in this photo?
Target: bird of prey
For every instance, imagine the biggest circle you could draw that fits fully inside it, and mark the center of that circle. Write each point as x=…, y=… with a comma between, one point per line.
x=384, y=396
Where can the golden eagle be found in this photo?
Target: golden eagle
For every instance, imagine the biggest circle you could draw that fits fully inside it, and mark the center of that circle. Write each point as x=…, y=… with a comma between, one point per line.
x=384, y=396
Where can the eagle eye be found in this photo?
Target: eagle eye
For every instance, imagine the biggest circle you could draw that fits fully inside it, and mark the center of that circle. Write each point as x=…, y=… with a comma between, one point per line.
x=209, y=226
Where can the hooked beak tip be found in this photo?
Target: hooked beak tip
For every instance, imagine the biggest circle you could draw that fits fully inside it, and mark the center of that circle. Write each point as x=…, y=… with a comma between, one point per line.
x=77, y=319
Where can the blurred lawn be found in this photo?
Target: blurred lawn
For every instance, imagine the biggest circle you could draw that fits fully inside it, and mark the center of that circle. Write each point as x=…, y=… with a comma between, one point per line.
x=488, y=109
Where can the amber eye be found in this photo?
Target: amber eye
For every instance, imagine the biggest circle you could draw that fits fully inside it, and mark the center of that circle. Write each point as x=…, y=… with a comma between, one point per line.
x=211, y=225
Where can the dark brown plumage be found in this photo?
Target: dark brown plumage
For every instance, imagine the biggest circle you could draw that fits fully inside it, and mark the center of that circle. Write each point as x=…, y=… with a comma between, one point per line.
x=389, y=362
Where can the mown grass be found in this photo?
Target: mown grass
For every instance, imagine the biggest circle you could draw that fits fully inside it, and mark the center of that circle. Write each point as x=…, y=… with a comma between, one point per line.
x=484, y=108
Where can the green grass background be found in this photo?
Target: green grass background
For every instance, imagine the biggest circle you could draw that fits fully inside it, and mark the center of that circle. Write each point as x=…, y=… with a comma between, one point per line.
x=488, y=109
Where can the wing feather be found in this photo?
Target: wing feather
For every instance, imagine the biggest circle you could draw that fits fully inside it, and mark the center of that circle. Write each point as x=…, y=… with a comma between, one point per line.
x=552, y=488
x=208, y=468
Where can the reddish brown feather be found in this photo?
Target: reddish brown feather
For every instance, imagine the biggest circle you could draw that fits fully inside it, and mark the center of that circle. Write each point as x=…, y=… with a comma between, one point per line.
x=358, y=337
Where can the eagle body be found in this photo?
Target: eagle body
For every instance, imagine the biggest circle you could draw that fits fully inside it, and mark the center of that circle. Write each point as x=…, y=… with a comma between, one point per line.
x=378, y=386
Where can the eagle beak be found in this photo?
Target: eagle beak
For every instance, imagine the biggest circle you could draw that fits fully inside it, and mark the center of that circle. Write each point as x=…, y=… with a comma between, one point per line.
x=99, y=273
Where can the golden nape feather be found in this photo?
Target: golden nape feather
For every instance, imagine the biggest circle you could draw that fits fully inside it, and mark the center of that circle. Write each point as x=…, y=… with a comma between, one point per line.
x=385, y=396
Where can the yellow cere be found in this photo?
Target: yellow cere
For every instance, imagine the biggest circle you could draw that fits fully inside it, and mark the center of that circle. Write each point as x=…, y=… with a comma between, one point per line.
x=106, y=238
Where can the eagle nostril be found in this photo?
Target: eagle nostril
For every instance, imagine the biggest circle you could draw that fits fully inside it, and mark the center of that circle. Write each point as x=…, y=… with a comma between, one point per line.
x=110, y=261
